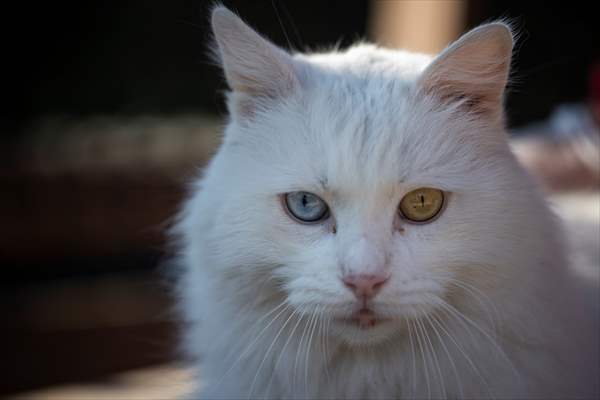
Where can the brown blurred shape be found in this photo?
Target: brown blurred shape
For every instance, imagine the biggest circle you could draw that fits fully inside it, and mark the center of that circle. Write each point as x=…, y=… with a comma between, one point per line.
x=425, y=26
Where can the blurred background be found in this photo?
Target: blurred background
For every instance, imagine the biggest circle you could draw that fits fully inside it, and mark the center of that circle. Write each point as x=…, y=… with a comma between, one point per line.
x=112, y=107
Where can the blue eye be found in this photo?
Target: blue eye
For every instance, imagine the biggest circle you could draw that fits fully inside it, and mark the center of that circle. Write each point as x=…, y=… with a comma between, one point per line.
x=306, y=207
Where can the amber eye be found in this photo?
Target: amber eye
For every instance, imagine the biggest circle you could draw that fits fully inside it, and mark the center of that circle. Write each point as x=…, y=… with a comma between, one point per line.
x=421, y=205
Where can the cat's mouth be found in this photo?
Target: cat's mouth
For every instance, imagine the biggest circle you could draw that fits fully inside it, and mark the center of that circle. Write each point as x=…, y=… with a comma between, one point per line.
x=365, y=318
x=364, y=326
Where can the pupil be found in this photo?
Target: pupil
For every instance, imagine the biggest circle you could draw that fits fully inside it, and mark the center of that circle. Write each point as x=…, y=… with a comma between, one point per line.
x=422, y=201
x=304, y=201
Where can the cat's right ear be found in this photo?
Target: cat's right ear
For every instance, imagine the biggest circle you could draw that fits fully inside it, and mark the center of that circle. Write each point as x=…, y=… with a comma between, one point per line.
x=256, y=70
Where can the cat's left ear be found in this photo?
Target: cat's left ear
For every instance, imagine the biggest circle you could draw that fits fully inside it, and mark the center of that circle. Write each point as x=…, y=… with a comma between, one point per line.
x=256, y=70
x=474, y=69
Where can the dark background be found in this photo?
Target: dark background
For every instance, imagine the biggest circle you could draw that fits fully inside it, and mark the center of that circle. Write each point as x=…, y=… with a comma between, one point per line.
x=149, y=56
x=84, y=245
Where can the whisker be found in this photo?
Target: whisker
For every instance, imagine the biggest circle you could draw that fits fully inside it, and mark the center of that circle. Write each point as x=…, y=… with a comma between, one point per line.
x=435, y=358
x=268, y=352
x=463, y=352
x=257, y=337
x=493, y=342
x=327, y=350
x=290, y=336
x=479, y=296
x=298, y=354
x=308, y=349
x=324, y=338
x=425, y=364
x=414, y=361
x=450, y=358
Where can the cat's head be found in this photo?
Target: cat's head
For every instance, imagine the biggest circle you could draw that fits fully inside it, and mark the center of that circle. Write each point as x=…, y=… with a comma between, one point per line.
x=369, y=185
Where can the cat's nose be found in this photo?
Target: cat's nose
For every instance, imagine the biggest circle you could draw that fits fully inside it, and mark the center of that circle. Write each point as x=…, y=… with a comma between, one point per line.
x=365, y=286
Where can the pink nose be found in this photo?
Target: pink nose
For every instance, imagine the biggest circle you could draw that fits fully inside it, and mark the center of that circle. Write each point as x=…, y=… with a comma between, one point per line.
x=364, y=285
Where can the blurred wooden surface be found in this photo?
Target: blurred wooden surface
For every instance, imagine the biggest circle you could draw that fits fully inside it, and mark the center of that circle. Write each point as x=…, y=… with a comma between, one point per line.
x=156, y=383
x=83, y=246
x=74, y=330
x=102, y=187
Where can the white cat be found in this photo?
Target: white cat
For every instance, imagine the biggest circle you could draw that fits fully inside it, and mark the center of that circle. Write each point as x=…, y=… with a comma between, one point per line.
x=365, y=232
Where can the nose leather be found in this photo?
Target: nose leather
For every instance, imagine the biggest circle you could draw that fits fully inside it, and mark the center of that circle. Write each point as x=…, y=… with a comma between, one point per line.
x=365, y=285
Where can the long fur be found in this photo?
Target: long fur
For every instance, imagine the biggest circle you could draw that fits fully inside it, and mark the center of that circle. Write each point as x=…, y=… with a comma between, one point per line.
x=480, y=301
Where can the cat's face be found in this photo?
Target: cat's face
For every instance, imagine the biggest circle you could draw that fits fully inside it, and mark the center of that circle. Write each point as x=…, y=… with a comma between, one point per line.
x=352, y=189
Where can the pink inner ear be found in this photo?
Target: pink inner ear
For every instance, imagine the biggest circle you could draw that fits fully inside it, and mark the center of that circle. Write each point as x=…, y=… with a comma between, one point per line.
x=478, y=89
x=473, y=70
x=470, y=102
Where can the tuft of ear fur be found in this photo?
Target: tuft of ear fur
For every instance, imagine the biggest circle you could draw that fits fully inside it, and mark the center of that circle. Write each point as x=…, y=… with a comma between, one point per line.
x=255, y=69
x=473, y=70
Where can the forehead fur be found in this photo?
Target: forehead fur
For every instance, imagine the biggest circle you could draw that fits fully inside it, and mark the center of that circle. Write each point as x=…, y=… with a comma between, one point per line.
x=359, y=118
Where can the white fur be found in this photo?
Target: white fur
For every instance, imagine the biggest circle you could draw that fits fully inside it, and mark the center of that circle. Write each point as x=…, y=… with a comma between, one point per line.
x=361, y=128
